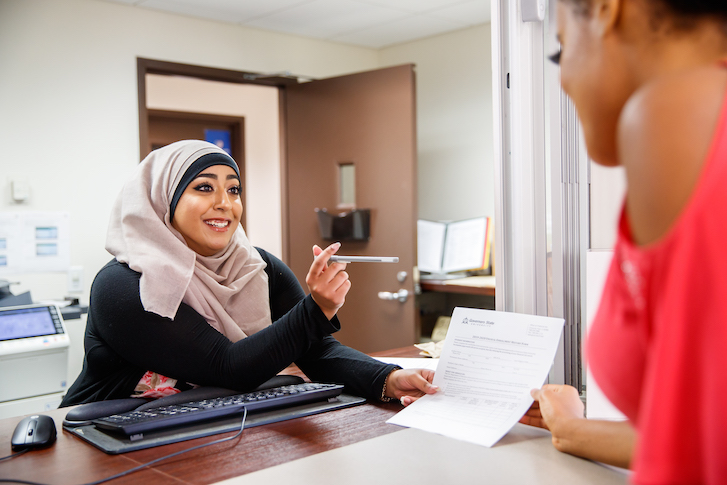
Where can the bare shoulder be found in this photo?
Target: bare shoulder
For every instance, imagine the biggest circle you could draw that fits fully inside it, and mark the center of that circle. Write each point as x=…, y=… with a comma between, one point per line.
x=665, y=132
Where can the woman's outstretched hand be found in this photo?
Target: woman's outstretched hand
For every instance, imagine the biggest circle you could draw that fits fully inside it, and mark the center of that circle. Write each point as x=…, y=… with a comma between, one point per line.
x=408, y=385
x=554, y=403
x=559, y=408
x=556, y=408
x=328, y=285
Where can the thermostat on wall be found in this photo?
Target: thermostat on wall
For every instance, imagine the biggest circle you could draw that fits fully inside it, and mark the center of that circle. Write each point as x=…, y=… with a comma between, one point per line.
x=533, y=10
x=20, y=190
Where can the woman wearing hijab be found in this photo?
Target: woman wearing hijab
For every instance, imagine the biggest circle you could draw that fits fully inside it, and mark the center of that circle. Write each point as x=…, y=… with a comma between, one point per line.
x=188, y=301
x=648, y=79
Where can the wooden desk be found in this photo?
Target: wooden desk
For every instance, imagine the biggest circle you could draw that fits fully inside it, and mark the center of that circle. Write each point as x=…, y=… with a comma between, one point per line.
x=73, y=461
x=315, y=450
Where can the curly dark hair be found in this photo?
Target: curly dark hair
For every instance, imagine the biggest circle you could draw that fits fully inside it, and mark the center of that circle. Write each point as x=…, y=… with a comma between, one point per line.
x=696, y=7
x=677, y=7
x=683, y=14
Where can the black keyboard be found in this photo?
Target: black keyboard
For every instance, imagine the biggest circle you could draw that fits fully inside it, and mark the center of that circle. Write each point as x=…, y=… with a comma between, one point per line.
x=135, y=422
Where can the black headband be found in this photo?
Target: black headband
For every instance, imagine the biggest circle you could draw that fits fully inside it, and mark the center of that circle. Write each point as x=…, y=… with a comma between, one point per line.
x=203, y=162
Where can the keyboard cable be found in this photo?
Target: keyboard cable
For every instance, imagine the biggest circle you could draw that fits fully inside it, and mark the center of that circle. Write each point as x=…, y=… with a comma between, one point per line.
x=144, y=465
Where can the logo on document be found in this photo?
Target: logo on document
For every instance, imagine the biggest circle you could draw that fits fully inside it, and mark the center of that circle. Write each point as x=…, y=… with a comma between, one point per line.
x=472, y=321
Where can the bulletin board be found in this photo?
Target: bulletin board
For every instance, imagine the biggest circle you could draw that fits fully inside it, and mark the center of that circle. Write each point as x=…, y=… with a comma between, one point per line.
x=34, y=242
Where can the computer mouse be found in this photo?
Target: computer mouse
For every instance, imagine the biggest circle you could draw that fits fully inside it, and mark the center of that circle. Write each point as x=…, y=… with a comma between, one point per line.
x=34, y=432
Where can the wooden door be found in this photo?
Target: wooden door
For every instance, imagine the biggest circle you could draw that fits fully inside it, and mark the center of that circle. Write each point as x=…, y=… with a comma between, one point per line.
x=368, y=120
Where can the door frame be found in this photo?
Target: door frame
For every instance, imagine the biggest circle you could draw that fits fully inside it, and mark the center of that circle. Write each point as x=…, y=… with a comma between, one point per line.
x=146, y=66
x=542, y=164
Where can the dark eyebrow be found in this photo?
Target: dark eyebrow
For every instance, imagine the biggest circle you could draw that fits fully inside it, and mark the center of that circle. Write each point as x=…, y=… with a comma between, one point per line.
x=214, y=176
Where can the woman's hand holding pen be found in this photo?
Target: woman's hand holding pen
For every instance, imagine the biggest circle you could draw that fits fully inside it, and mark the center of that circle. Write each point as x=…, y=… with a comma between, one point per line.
x=328, y=285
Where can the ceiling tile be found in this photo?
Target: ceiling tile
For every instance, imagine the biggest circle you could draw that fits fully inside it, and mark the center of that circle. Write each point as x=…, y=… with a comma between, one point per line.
x=404, y=30
x=326, y=18
x=234, y=11
x=369, y=23
x=414, y=6
x=472, y=12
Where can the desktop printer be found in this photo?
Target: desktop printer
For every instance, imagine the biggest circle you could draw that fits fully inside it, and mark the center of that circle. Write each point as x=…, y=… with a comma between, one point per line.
x=33, y=359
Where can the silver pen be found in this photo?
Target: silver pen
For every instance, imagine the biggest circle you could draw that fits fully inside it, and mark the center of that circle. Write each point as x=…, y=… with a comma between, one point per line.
x=363, y=259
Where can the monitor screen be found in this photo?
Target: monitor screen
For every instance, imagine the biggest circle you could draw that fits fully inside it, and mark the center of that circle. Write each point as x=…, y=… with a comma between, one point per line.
x=29, y=322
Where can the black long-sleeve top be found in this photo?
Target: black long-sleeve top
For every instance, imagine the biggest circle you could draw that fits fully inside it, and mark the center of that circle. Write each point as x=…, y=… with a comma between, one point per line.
x=123, y=341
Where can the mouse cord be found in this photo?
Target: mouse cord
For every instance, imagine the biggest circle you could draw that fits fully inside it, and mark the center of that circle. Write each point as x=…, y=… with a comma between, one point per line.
x=13, y=455
x=132, y=470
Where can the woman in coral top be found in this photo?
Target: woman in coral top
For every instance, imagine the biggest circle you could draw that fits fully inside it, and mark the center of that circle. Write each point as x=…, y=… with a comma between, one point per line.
x=649, y=82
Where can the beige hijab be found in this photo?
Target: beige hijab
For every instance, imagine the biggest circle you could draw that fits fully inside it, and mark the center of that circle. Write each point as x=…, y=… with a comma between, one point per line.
x=229, y=289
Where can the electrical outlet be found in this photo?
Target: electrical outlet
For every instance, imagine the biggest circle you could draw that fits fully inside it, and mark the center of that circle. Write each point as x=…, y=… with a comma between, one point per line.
x=75, y=279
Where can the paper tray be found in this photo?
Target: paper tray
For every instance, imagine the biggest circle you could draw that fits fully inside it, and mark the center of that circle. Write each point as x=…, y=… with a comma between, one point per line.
x=114, y=444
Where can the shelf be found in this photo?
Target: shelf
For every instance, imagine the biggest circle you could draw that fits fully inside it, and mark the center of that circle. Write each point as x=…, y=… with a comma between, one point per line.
x=471, y=285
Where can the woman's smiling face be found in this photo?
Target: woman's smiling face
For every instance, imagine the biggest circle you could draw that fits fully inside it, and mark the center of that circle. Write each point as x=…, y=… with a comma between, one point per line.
x=209, y=210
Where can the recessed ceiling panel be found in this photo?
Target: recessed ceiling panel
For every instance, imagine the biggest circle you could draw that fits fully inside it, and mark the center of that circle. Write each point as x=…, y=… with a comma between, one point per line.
x=234, y=11
x=399, y=31
x=472, y=12
x=368, y=23
x=415, y=6
x=326, y=18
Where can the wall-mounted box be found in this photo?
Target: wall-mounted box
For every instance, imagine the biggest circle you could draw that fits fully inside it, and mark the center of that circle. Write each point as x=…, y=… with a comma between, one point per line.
x=354, y=225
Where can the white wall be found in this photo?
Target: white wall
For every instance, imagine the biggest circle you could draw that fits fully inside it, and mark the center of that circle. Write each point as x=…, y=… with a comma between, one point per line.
x=608, y=187
x=68, y=102
x=454, y=122
x=259, y=106
x=69, y=121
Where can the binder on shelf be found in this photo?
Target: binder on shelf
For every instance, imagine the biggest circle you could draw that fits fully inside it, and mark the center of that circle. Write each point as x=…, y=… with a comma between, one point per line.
x=448, y=247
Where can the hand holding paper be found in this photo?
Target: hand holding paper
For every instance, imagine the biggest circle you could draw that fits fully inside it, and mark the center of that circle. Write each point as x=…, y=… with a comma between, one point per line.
x=490, y=362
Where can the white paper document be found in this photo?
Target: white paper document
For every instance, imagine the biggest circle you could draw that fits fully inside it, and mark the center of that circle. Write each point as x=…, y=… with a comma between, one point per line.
x=411, y=362
x=490, y=362
x=465, y=245
x=430, y=245
x=446, y=247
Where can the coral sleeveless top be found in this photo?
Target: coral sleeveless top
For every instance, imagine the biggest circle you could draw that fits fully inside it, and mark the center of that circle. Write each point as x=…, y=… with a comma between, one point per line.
x=658, y=344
